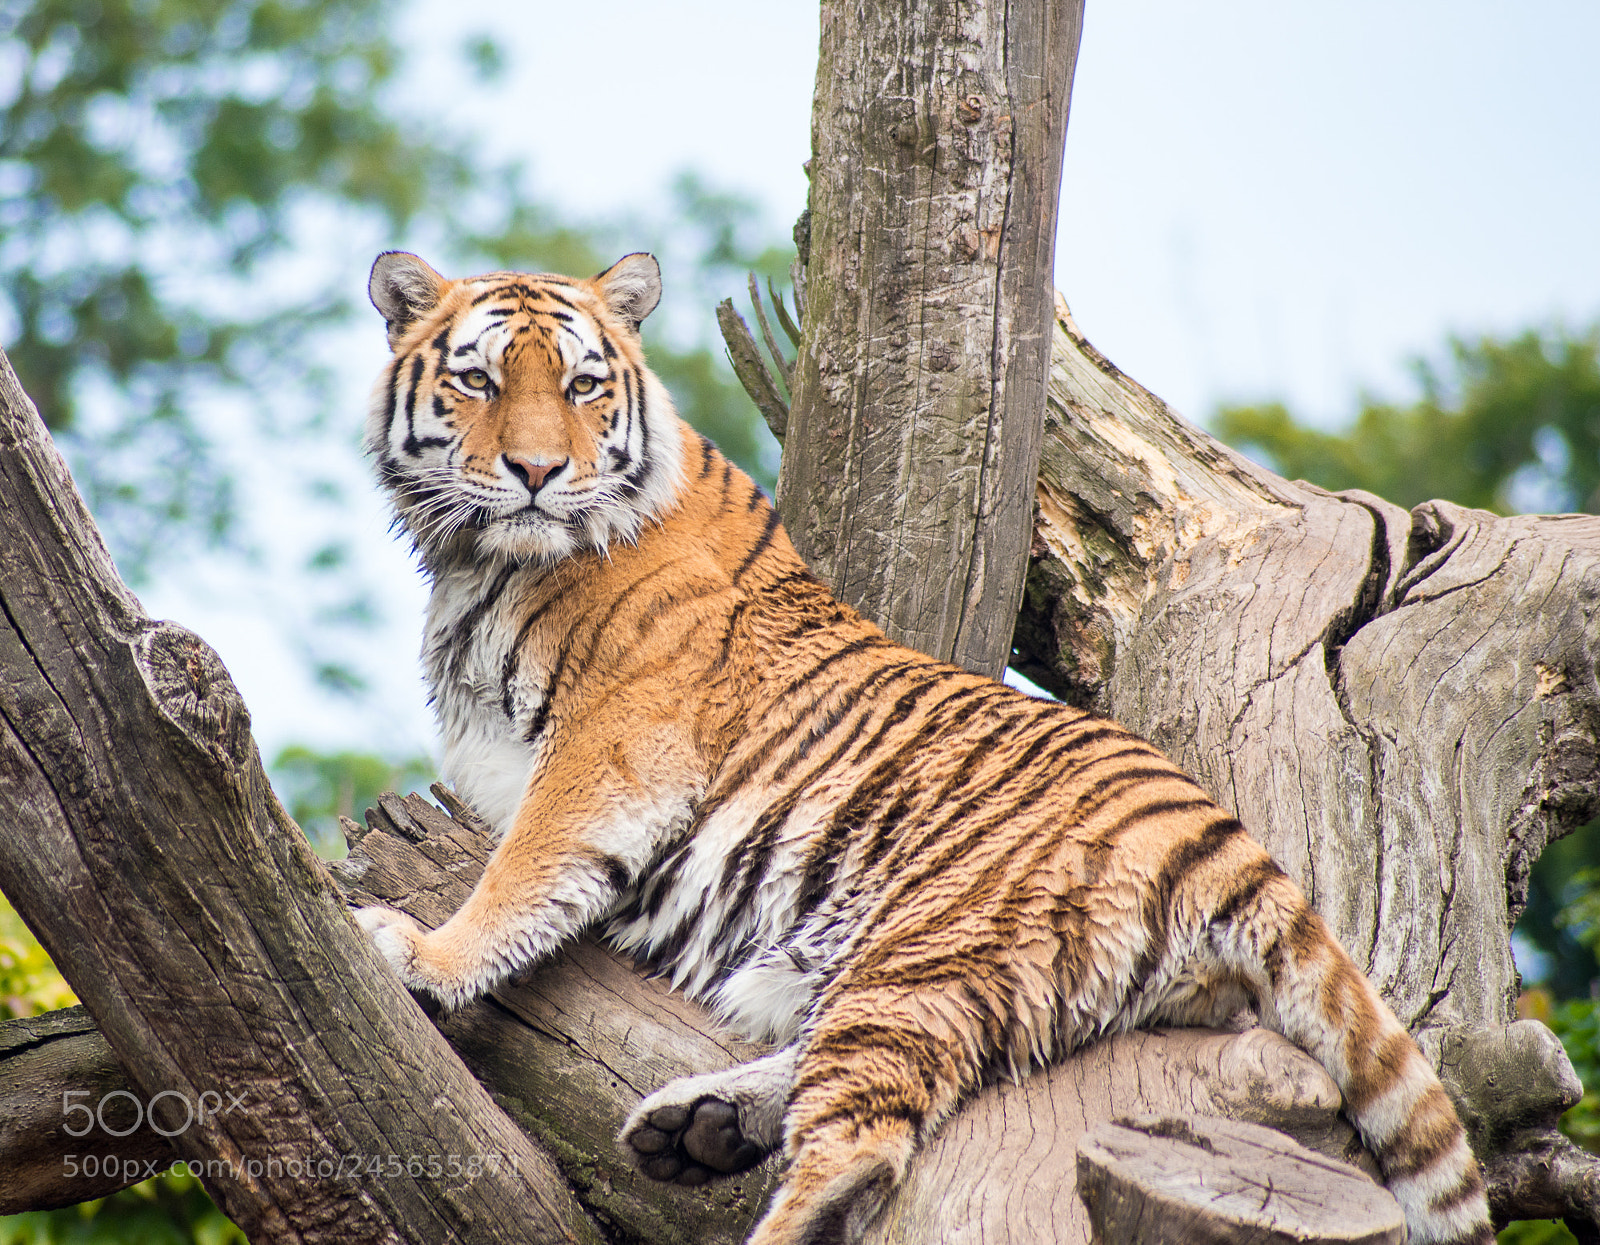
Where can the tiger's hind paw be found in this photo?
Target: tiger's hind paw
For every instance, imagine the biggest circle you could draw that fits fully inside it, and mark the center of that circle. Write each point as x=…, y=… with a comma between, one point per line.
x=699, y=1128
x=689, y=1144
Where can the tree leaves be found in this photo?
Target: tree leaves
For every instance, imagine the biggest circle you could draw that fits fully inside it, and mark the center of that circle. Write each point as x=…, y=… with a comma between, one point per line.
x=1506, y=425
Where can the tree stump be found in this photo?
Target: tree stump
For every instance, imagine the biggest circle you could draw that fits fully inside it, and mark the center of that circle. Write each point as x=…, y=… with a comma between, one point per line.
x=1196, y=1180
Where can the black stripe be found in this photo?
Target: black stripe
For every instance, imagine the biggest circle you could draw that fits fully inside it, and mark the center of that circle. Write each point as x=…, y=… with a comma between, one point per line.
x=1098, y=794
x=394, y=399
x=541, y=715
x=418, y=363
x=508, y=669
x=1107, y=838
x=636, y=477
x=461, y=634
x=1246, y=889
x=1272, y=954
x=617, y=602
x=1157, y=907
x=736, y=616
x=767, y=532
x=617, y=875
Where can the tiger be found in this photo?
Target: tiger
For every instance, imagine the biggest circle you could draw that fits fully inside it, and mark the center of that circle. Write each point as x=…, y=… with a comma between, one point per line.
x=909, y=878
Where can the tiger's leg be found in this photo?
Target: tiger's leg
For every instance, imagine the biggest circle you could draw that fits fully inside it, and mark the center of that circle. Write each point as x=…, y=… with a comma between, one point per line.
x=584, y=830
x=698, y=1128
x=1305, y=986
x=871, y=1082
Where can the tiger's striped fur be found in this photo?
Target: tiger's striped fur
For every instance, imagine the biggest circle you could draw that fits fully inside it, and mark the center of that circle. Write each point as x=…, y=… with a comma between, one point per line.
x=911, y=878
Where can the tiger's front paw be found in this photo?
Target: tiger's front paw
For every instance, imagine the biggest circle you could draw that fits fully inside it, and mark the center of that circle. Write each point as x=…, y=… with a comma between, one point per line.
x=398, y=939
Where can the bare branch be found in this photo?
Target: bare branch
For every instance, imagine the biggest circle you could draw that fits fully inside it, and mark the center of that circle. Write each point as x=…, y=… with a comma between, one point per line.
x=784, y=367
x=790, y=328
x=752, y=372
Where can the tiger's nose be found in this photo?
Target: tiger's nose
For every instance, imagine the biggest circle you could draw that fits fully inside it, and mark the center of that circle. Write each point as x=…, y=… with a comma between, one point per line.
x=533, y=475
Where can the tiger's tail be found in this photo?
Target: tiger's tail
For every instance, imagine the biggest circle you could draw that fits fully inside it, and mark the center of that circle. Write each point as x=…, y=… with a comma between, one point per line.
x=1308, y=989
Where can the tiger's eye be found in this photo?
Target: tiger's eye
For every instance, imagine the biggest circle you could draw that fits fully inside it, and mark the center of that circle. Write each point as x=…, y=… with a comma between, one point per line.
x=584, y=384
x=475, y=378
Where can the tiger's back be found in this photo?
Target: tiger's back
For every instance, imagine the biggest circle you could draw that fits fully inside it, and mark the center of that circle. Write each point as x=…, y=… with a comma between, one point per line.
x=910, y=877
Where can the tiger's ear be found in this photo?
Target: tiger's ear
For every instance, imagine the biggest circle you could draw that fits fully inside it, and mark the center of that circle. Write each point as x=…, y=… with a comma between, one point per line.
x=402, y=288
x=631, y=287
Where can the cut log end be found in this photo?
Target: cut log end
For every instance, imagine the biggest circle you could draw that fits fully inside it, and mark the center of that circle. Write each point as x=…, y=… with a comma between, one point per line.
x=1197, y=1179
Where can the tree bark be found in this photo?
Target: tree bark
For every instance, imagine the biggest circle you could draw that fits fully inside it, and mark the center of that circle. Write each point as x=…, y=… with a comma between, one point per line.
x=913, y=435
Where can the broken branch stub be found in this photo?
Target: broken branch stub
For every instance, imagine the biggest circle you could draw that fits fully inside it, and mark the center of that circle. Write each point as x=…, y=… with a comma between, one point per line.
x=751, y=369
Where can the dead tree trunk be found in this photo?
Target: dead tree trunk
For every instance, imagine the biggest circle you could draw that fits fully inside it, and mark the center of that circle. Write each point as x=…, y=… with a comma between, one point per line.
x=1403, y=706
x=919, y=390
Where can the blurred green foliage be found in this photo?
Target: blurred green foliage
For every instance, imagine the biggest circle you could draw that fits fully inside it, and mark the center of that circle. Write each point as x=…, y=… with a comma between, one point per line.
x=1577, y=1025
x=1537, y=1232
x=1560, y=921
x=171, y=1209
x=1505, y=424
x=155, y=159
x=29, y=982
x=318, y=788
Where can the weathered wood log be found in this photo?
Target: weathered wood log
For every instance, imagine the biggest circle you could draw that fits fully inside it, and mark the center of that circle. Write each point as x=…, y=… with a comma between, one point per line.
x=1193, y=1180
x=48, y=1063
x=144, y=848
x=572, y=1046
x=1403, y=707
x=913, y=435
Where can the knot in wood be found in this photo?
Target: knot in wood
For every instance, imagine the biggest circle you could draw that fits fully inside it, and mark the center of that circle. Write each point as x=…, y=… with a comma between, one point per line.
x=1506, y=1079
x=192, y=688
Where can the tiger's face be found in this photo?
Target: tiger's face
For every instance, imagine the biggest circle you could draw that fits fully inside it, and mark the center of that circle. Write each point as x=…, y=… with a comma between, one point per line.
x=517, y=411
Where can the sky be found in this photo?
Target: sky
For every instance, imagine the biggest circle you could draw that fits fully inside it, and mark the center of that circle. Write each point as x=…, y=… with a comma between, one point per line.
x=1260, y=200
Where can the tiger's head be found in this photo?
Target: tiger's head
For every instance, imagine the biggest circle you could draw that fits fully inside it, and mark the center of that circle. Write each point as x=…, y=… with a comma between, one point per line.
x=517, y=412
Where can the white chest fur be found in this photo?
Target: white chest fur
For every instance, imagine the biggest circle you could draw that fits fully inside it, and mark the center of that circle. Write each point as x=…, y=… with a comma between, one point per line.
x=485, y=697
